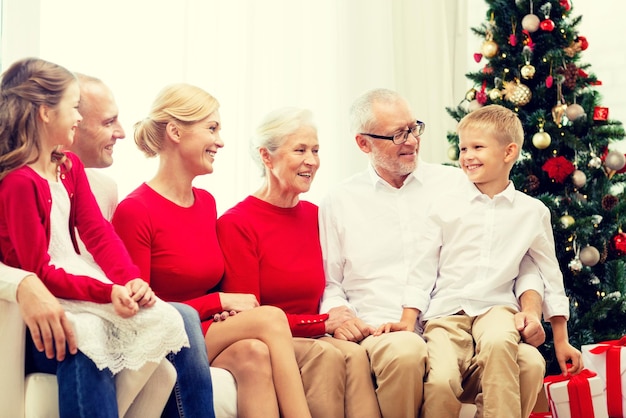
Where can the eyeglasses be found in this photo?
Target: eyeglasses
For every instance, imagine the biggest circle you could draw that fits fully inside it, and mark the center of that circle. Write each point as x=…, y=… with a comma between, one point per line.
x=401, y=137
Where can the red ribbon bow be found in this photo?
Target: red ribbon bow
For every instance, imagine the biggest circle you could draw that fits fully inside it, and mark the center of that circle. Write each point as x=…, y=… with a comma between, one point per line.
x=578, y=390
x=613, y=350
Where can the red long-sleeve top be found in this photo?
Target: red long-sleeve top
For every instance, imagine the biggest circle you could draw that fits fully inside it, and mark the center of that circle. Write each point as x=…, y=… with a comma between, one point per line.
x=275, y=254
x=176, y=248
x=25, y=206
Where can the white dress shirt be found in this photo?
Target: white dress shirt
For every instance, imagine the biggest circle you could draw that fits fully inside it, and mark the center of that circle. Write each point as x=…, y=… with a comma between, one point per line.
x=471, y=250
x=10, y=278
x=369, y=232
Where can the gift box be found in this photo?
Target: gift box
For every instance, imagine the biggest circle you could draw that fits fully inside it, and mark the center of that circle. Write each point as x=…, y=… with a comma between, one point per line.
x=608, y=360
x=576, y=396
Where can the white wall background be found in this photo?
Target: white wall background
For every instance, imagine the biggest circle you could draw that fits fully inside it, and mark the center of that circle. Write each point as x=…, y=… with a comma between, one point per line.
x=256, y=55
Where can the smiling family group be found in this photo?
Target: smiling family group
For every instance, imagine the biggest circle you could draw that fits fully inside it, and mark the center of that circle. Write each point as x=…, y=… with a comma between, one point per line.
x=394, y=298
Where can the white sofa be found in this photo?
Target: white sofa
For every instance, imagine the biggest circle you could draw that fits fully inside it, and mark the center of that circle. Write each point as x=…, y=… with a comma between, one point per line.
x=36, y=395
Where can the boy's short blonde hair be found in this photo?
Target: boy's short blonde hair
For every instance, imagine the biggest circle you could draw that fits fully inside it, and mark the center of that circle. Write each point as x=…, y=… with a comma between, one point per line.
x=500, y=122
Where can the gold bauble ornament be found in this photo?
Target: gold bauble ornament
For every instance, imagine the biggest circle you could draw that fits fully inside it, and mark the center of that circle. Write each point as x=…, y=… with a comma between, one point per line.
x=489, y=49
x=528, y=71
x=495, y=94
x=567, y=221
x=589, y=256
x=558, y=112
x=517, y=93
x=470, y=95
x=453, y=153
x=579, y=178
x=541, y=140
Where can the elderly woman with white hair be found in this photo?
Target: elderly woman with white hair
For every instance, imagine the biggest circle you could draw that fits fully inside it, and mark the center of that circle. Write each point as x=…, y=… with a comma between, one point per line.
x=271, y=247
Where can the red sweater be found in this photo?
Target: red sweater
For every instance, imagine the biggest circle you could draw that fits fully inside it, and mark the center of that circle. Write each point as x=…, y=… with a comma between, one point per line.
x=175, y=248
x=25, y=205
x=275, y=254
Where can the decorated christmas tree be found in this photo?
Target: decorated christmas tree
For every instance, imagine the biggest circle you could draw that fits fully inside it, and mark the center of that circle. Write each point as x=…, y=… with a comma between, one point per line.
x=530, y=53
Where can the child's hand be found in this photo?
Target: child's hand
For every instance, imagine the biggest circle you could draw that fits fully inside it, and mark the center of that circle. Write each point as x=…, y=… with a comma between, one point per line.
x=565, y=352
x=392, y=327
x=141, y=293
x=123, y=303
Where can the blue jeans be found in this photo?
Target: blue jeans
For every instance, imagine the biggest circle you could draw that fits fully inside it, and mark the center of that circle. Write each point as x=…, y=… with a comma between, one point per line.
x=86, y=392
x=193, y=393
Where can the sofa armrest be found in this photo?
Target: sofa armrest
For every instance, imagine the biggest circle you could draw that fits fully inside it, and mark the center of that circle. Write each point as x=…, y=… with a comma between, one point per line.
x=12, y=349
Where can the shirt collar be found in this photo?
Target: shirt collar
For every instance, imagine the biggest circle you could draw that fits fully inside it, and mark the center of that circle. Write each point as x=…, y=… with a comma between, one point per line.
x=507, y=194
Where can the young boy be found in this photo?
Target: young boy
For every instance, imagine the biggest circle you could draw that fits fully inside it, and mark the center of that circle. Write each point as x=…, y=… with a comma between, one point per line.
x=463, y=282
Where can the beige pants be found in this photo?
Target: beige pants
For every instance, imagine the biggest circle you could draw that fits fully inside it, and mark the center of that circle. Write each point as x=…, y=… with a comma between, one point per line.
x=502, y=376
x=336, y=378
x=398, y=362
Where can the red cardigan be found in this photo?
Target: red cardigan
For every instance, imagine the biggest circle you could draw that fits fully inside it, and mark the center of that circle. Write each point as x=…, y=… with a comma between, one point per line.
x=25, y=206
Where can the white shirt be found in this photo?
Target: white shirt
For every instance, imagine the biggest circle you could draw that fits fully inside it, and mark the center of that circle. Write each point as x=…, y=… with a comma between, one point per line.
x=369, y=232
x=471, y=250
x=10, y=278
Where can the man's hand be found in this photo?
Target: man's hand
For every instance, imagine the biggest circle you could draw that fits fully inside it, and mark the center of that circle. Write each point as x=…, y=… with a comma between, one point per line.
x=354, y=330
x=45, y=318
x=530, y=328
x=337, y=316
x=528, y=321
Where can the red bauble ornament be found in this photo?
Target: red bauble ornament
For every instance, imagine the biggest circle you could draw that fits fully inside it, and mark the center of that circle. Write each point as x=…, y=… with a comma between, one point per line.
x=547, y=25
x=565, y=4
x=619, y=242
x=478, y=56
x=584, y=44
x=549, y=81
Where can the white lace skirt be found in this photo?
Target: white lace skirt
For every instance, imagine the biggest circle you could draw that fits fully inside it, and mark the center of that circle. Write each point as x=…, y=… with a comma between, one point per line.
x=120, y=343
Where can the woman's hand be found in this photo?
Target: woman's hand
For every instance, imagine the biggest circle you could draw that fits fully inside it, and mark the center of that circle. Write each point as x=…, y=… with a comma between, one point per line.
x=141, y=292
x=238, y=302
x=223, y=316
x=123, y=303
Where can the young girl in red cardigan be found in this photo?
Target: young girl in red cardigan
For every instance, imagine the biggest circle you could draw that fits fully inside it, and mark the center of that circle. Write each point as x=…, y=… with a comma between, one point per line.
x=44, y=199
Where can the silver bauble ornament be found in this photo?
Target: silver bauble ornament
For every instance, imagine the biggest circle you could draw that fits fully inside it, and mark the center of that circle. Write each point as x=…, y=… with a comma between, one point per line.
x=531, y=22
x=541, y=140
x=589, y=256
x=579, y=178
x=615, y=160
x=574, y=111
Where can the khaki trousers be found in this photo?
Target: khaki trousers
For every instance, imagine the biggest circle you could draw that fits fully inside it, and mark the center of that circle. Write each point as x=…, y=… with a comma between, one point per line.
x=336, y=378
x=398, y=362
x=502, y=376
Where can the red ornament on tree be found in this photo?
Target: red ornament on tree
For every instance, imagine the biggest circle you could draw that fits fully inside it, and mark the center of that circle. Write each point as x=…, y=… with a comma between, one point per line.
x=547, y=25
x=565, y=4
x=558, y=168
x=584, y=44
x=601, y=113
x=619, y=242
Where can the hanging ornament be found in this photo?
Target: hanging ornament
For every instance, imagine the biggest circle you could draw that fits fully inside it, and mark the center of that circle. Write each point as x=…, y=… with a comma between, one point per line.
x=574, y=111
x=600, y=114
x=530, y=22
x=565, y=4
x=615, y=160
x=596, y=219
x=495, y=95
x=478, y=56
x=584, y=44
x=527, y=71
x=572, y=49
x=512, y=36
x=595, y=161
x=481, y=96
x=575, y=264
x=541, y=140
x=619, y=242
x=470, y=95
x=453, y=153
x=532, y=182
x=609, y=202
x=589, y=256
x=558, y=168
x=528, y=41
x=570, y=72
x=579, y=178
x=489, y=48
x=558, y=111
x=567, y=221
x=517, y=93
x=546, y=24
